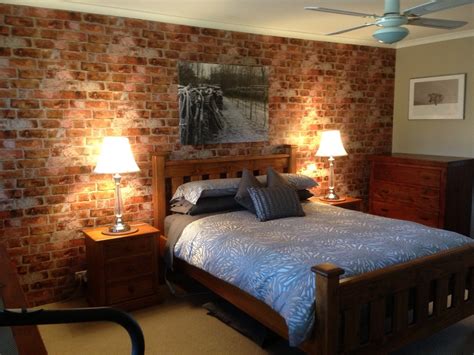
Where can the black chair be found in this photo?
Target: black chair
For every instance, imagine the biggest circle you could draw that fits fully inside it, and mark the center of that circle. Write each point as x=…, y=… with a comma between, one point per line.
x=15, y=317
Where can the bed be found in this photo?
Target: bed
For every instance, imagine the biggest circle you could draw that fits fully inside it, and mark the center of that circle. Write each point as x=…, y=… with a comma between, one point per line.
x=421, y=296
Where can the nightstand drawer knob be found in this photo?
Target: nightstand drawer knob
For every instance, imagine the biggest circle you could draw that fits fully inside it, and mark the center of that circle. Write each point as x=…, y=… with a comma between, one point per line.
x=131, y=289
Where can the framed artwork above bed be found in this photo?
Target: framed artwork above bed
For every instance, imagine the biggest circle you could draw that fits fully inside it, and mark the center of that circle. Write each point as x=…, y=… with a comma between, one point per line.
x=222, y=103
x=437, y=97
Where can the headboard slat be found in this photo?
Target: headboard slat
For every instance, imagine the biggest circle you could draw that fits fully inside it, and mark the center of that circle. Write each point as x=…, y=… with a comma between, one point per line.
x=175, y=182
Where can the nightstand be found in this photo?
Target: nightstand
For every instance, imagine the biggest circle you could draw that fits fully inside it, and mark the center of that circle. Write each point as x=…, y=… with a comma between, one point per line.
x=349, y=203
x=122, y=270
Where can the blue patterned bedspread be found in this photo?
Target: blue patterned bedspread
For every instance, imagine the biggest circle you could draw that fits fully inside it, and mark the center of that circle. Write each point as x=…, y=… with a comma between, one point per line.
x=272, y=260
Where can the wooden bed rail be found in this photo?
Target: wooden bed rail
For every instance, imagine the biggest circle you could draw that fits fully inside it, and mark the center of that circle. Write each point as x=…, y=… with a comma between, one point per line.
x=380, y=311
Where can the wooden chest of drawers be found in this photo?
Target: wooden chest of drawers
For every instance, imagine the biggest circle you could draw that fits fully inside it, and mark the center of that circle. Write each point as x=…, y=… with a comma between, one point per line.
x=432, y=190
x=122, y=271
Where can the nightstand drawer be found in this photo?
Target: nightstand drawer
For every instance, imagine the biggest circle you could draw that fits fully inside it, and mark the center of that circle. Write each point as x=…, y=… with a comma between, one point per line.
x=407, y=175
x=130, y=246
x=128, y=266
x=129, y=289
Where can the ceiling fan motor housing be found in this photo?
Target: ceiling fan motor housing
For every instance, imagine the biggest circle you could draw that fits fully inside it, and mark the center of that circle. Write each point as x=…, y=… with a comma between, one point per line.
x=391, y=21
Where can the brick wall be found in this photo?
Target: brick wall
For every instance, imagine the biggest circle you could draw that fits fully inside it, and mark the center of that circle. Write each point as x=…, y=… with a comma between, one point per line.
x=68, y=79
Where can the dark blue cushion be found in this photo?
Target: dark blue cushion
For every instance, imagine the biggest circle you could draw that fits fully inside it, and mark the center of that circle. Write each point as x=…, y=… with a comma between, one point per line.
x=242, y=196
x=215, y=204
x=304, y=194
x=275, y=202
x=275, y=179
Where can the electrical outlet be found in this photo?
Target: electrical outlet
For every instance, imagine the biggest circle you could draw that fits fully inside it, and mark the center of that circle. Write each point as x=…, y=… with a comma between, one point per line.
x=81, y=276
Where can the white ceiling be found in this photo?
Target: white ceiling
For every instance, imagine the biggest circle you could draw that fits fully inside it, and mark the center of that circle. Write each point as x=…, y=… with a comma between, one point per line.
x=274, y=17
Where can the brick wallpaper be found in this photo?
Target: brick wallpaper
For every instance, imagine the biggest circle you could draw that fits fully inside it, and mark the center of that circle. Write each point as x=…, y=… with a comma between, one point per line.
x=68, y=79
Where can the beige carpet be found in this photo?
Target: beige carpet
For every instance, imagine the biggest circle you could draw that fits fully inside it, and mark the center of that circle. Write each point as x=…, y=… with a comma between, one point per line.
x=181, y=326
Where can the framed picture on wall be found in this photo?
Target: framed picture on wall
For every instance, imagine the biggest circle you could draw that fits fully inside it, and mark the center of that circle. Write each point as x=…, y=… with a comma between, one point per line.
x=222, y=103
x=437, y=98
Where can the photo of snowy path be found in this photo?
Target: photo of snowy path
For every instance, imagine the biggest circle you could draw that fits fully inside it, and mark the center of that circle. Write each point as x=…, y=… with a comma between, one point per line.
x=237, y=127
x=222, y=103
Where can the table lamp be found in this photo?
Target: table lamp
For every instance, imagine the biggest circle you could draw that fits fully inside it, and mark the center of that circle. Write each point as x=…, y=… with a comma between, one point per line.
x=116, y=158
x=331, y=146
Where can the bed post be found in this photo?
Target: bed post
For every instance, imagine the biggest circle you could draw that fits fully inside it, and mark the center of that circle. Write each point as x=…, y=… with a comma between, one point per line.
x=291, y=150
x=159, y=189
x=327, y=308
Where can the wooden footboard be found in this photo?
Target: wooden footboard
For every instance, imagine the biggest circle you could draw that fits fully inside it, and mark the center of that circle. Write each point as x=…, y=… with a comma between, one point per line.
x=380, y=311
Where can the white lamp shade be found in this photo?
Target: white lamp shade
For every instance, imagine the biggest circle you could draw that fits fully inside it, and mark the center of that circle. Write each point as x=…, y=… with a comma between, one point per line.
x=331, y=144
x=116, y=157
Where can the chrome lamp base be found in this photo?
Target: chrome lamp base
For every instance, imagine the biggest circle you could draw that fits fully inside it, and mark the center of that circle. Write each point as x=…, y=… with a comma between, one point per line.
x=120, y=227
x=331, y=195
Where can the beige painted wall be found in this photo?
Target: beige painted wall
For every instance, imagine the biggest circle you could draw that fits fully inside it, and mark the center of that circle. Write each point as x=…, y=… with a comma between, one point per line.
x=435, y=137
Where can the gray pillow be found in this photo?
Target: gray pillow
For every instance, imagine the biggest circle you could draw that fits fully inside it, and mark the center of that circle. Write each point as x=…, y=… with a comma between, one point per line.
x=275, y=202
x=242, y=196
x=193, y=190
x=300, y=182
x=181, y=206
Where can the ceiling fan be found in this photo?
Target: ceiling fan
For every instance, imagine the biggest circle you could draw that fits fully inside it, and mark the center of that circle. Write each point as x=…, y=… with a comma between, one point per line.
x=392, y=19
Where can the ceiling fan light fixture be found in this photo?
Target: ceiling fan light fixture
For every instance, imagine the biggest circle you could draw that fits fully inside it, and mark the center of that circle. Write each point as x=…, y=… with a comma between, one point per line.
x=393, y=19
x=390, y=35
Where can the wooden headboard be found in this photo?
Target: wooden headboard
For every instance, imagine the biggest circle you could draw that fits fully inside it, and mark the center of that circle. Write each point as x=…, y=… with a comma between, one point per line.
x=169, y=174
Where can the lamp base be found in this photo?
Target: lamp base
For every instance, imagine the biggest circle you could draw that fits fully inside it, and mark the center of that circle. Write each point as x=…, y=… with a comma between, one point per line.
x=331, y=196
x=120, y=229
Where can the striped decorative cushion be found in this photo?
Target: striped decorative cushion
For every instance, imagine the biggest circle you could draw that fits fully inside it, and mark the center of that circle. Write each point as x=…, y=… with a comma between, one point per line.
x=275, y=202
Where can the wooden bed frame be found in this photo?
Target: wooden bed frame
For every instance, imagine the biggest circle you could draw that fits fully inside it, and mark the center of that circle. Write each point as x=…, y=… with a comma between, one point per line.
x=372, y=313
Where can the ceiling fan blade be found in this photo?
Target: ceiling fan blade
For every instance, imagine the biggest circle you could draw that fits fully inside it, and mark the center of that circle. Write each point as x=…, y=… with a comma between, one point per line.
x=350, y=29
x=436, y=23
x=433, y=6
x=339, y=12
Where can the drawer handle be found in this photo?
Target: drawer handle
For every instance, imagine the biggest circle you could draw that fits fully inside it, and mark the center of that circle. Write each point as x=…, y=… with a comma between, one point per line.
x=384, y=209
x=131, y=289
